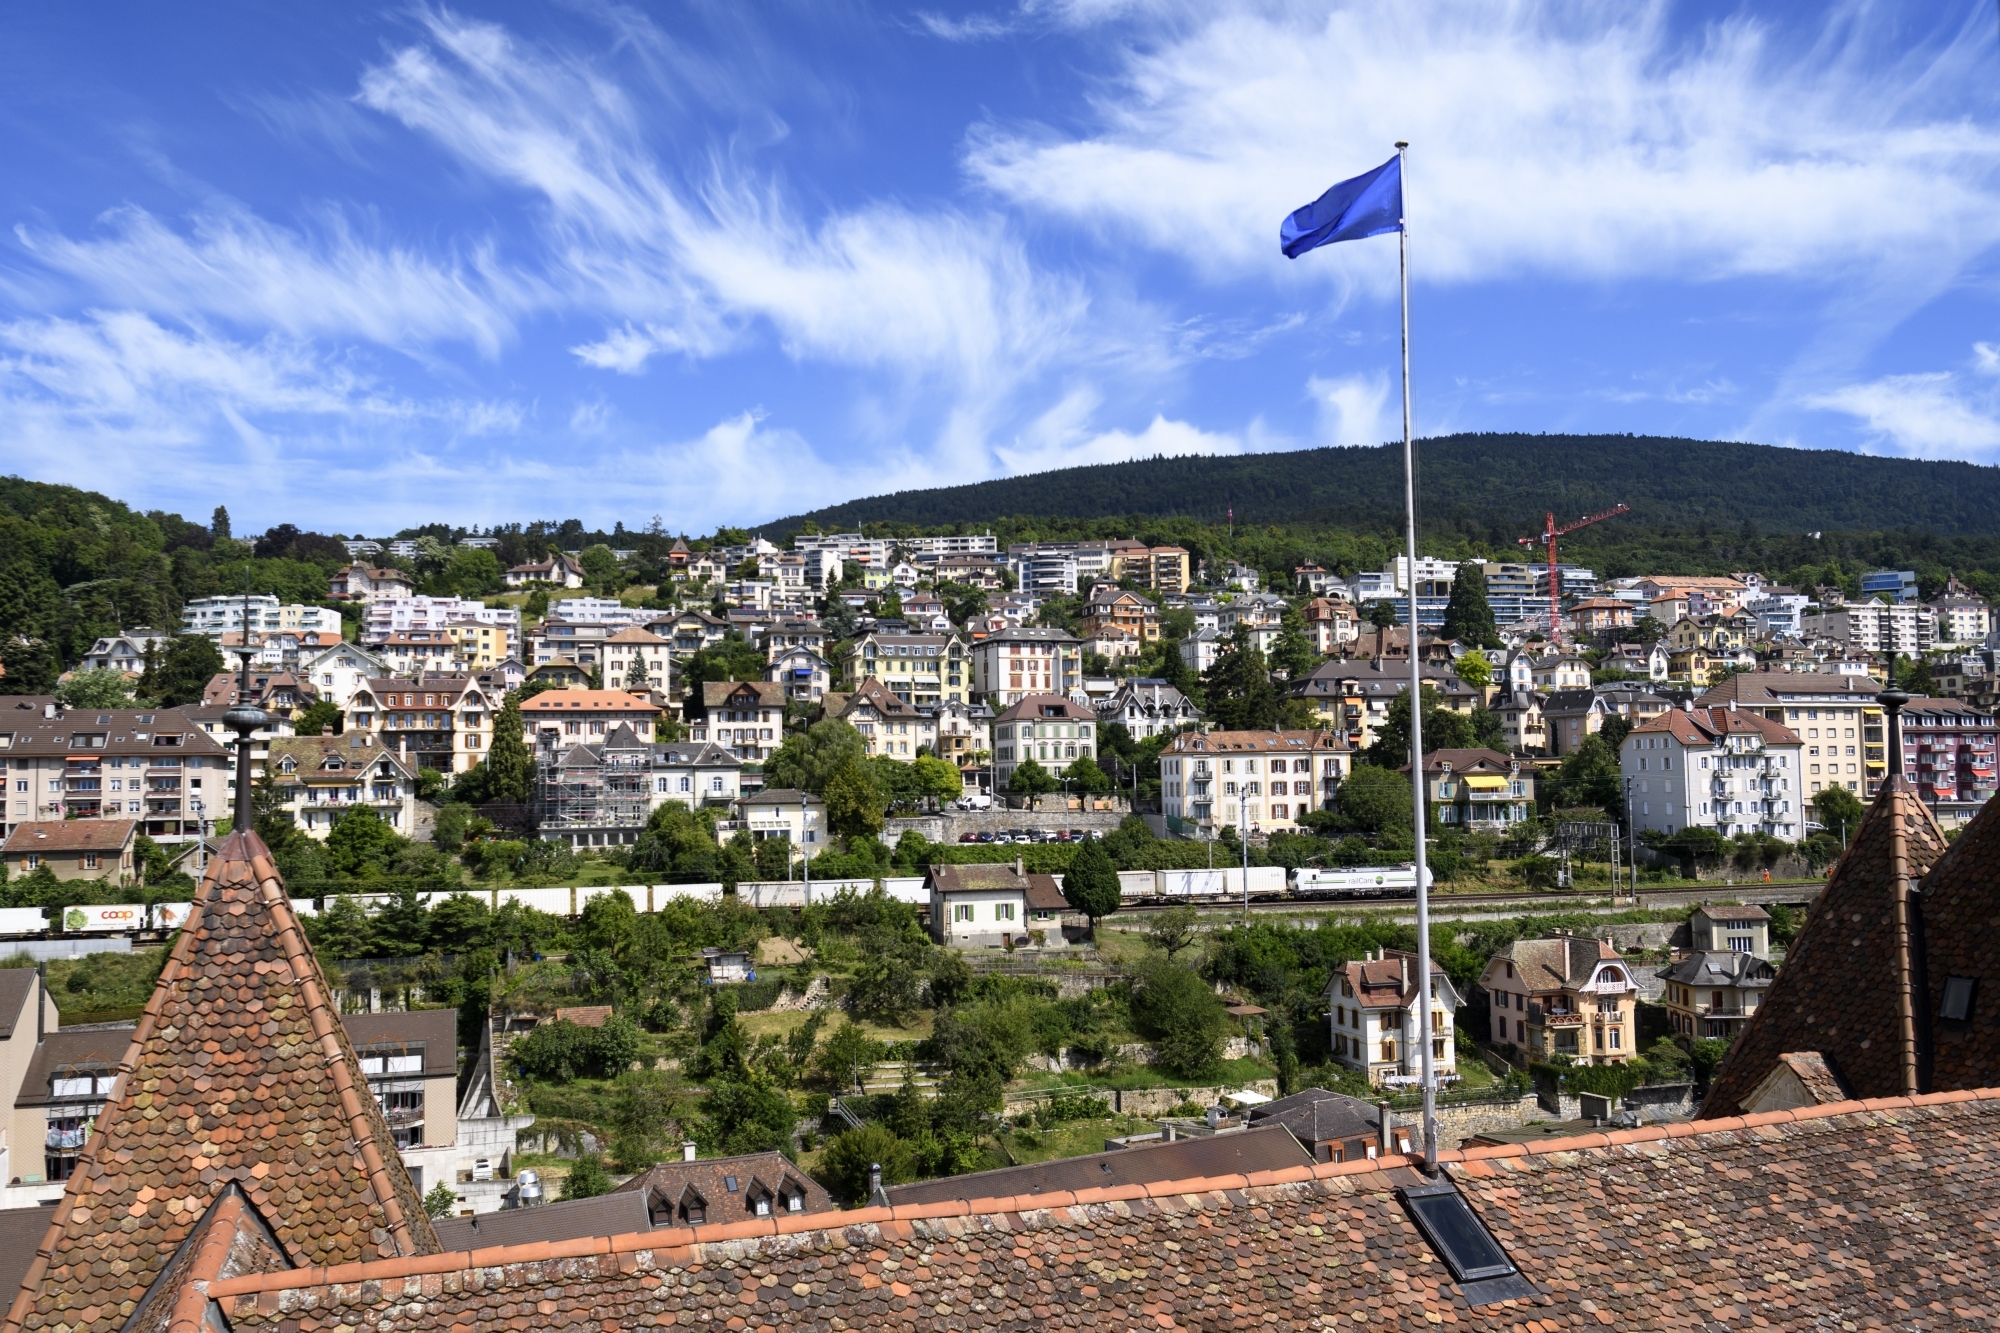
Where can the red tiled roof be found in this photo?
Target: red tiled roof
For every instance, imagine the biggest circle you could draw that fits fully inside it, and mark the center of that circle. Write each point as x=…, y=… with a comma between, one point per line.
x=239, y=1073
x=1783, y=1220
x=1838, y=992
x=58, y=836
x=1959, y=913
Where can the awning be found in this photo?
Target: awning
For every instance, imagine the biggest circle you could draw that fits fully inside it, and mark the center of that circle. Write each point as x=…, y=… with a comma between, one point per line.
x=1485, y=782
x=1247, y=1097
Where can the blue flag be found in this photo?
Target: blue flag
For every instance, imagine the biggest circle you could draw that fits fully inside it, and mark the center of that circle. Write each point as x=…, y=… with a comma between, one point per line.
x=1368, y=205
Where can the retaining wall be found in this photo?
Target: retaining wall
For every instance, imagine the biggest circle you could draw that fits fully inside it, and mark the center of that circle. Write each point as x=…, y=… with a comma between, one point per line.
x=953, y=824
x=1146, y=1101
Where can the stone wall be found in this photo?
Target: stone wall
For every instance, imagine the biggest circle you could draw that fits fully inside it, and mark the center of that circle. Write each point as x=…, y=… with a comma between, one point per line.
x=953, y=824
x=1147, y=1101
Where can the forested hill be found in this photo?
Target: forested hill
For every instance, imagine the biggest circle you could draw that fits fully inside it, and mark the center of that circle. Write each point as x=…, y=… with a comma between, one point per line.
x=1481, y=484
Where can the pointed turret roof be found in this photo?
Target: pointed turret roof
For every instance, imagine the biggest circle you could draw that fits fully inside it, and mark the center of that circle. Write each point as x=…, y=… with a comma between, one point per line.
x=1840, y=992
x=239, y=1084
x=1961, y=908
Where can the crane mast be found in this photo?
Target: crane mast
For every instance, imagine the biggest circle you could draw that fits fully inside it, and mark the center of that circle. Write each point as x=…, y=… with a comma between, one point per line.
x=1550, y=532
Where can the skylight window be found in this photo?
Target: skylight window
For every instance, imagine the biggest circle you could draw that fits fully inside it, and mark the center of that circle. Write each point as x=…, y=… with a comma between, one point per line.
x=1482, y=1269
x=1957, y=1006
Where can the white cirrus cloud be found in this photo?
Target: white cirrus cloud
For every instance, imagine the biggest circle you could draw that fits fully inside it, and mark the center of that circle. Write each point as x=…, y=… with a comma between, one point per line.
x=1935, y=414
x=686, y=263
x=1353, y=409
x=233, y=265
x=1066, y=435
x=1586, y=140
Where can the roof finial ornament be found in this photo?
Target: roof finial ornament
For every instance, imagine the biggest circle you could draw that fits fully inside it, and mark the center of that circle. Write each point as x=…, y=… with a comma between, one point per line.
x=244, y=718
x=1892, y=701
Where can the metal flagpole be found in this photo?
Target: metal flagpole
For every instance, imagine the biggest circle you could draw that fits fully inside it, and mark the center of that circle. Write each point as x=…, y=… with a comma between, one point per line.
x=1416, y=699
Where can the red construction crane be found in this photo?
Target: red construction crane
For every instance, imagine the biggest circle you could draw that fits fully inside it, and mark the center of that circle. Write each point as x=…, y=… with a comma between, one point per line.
x=1548, y=538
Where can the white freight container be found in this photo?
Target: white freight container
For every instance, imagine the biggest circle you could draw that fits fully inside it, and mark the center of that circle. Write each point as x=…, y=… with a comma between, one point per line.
x=104, y=918
x=23, y=921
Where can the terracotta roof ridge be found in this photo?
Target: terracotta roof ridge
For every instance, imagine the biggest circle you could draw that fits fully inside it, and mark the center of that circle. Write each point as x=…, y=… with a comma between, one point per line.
x=355, y=1102
x=688, y=1238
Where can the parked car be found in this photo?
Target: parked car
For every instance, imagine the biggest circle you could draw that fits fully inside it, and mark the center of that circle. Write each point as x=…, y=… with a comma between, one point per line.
x=968, y=837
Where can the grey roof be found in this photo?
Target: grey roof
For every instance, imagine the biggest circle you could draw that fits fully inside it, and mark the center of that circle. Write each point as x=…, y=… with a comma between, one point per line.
x=1318, y=1116
x=1720, y=968
x=1571, y=701
x=16, y=984
x=436, y=1029
x=606, y=1215
x=22, y=1231
x=702, y=754
x=1257, y=1149
x=780, y=796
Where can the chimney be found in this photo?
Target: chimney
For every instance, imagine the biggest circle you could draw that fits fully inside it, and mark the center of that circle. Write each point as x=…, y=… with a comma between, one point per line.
x=687, y=1150
x=49, y=711
x=877, y=1196
x=1403, y=969
x=1386, y=1123
x=1020, y=866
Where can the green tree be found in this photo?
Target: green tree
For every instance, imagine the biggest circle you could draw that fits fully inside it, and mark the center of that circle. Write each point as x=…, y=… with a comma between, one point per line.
x=1293, y=655
x=1468, y=617
x=743, y=1116
x=587, y=1178
x=1376, y=800
x=855, y=804
x=600, y=566
x=937, y=778
x=1443, y=730
x=1382, y=613
x=475, y=572
x=808, y=759
x=32, y=665
x=100, y=687
x=1091, y=883
x=321, y=718
x=361, y=843
x=218, y=524
x=1838, y=809
x=1589, y=775
x=851, y=1157
x=178, y=671
x=1238, y=688
x=1474, y=668
x=341, y=930
x=1030, y=779
x=510, y=769
x=1086, y=776
x=1614, y=731
x=1175, y=929
x=1175, y=1009
x=440, y=1201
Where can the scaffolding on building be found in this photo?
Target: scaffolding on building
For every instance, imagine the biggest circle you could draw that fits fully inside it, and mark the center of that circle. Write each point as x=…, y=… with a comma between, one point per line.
x=592, y=788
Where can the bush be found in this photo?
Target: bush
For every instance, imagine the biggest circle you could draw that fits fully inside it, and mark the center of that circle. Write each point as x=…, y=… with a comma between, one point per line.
x=1067, y=1106
x=759, y=994
x=560, y=1051
x=587, y=1178
x=441, y=1200
x=844, y=1167
x=1176, y=1010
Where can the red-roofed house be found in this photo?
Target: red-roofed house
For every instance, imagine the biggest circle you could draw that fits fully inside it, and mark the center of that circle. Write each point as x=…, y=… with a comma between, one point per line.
x=1372, y=1006
x=1727, y=769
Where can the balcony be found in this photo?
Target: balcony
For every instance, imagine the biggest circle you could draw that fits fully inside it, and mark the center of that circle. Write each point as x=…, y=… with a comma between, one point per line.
x=1562, y=1018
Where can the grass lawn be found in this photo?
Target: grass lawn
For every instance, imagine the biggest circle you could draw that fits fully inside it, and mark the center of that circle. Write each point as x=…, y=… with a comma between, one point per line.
x=767, y=1024
x=1070, y=1140
x=1472, y=1071
x=1126, y=1078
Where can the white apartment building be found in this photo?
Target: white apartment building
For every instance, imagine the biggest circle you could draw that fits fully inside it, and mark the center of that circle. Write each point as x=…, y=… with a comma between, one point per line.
x=122, y=652
x=1728, y=769
x=1009, y=666
x=217, y=616
x=598, y=611
x=403, y=614
x=925, y=549
x=1266, y=780
x=1375, y=1022
x=1779, y=613
x=340, y=671
x=1962, y=618
x=1053, y=730
x=1907, y=629
x=1049, y=572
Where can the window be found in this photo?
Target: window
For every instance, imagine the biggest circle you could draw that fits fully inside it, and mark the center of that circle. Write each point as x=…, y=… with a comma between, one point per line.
x=1003, y=911
x=961, y=911
x=1456, y=1233
x=90, y=860
x=1957, y=1006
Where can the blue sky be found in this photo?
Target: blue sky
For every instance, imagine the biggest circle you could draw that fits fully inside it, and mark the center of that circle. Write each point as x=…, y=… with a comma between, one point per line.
x=357, y=268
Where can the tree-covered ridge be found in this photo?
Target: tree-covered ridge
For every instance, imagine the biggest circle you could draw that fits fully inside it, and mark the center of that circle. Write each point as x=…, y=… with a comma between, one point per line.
x=1501, y=482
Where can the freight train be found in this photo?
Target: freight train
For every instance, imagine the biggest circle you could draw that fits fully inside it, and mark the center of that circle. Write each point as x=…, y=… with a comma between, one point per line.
x=1138, y=888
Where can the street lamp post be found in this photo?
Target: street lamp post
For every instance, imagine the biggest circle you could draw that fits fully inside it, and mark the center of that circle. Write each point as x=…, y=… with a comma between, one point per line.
x=805, y=845
x=1243, y=835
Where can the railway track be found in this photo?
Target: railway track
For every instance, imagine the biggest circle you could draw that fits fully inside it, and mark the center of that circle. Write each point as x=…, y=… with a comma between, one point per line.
x=1447, y=904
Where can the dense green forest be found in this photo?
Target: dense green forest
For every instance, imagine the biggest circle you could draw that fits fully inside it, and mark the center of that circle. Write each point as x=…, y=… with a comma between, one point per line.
x=1491, y=487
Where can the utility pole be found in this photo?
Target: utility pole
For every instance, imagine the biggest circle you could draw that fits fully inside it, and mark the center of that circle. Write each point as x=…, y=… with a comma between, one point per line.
x=1243, y=827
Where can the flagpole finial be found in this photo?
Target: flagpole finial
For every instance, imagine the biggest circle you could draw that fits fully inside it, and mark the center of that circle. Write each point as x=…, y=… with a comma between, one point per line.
x=1401, y=144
